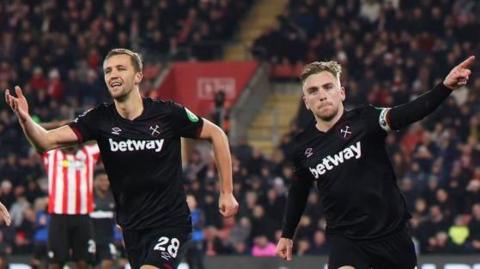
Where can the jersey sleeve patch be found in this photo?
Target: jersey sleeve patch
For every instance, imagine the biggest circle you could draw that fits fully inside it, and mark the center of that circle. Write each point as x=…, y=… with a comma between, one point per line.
x=191, y=116
x=383, y=119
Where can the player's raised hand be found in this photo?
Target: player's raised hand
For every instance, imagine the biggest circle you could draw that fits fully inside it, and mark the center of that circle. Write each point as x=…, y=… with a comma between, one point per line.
x=4, y=215
x=227, y=205
x=284, y=248
x=18, y=104
x=458, y=76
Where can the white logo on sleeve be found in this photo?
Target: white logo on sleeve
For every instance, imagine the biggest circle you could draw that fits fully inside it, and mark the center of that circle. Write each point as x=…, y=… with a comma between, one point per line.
x=135, y=145
x=330, y=162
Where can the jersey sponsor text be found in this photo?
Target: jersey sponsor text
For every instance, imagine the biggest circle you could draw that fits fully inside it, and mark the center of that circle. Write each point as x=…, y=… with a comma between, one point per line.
x=135, y=145
x=330, y=162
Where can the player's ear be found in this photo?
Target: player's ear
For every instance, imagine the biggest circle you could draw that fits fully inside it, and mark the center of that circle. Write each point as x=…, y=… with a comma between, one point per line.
x=305, y=101
x=342, y=93
x=138, y=77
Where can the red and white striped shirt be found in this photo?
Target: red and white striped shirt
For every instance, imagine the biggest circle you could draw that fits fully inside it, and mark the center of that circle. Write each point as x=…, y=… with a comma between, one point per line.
x=70, y=179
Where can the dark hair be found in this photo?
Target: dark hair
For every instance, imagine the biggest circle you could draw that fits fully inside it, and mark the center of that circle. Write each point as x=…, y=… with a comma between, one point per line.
x=135, y=57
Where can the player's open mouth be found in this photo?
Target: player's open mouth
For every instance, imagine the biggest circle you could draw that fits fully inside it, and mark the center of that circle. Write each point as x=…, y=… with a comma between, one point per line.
x=115, y=84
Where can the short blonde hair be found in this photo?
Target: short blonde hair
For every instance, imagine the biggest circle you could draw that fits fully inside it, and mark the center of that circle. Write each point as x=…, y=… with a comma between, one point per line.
x=332, y=67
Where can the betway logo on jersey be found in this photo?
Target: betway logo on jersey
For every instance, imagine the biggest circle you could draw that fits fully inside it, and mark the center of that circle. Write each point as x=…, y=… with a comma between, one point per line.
x=330, y=162
x=135, y=145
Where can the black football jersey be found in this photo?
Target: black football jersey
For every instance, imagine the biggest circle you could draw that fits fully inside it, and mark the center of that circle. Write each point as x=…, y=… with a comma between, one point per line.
x=142, y=158
x=351, y=169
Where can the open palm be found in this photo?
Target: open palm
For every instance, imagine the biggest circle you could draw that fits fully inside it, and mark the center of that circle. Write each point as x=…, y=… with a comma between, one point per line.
x=18, y=104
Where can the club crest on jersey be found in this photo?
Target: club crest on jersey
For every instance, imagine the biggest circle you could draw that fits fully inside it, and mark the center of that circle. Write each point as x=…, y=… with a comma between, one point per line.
x=331, y=161
x=345, y=131
x=116, y=130
x=155, y=130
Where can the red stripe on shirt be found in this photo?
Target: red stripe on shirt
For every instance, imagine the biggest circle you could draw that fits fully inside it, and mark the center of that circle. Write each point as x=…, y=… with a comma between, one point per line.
x=81, y=179
x=65, y=186
x=78, y=196
x=90, y=165
x=51, y=200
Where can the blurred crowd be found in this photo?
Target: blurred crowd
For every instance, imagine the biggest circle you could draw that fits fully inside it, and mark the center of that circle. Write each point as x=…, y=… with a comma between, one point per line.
x=55, y=48
x=386, y=39
x=390, y=50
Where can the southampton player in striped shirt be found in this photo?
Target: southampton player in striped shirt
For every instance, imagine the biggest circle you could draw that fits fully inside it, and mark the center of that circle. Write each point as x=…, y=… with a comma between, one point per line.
x=342, y=153
x=139, y=141
x=70, y=201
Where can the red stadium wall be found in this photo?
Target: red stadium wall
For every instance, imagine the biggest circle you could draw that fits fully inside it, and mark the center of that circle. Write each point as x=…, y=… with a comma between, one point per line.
x=194, y=84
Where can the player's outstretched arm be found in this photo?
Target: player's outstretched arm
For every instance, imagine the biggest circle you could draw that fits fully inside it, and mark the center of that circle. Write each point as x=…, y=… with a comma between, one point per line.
x=296, y=202
x=38, y=137
x=227, y=203
x=403, y=115
x=4, y=215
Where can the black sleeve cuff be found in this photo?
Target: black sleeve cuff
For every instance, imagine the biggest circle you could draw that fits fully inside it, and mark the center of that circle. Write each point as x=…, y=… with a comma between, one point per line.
x=288, y=233
x=442, y=89
x=77, y=132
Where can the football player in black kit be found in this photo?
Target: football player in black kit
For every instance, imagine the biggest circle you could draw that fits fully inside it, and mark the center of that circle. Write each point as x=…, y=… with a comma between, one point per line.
x=139, y=141
x=343, y=154
x=103, y=221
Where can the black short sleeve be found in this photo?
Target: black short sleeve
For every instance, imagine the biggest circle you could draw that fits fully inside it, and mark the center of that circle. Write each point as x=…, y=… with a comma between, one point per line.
x=84, y=125
x=185, y=122
x=377, y=119
x=302, y=172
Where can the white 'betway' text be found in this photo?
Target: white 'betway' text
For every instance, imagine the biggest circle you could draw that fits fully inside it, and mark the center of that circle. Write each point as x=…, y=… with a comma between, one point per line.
x=330, y=162
x=135, y=145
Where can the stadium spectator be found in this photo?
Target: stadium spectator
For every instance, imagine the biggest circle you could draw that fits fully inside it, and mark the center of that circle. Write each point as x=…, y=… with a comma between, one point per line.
x=40, y=238
x=263, y=247
x=319, y=245
x=195, y=253
x=458, y=233
x=474, y=226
